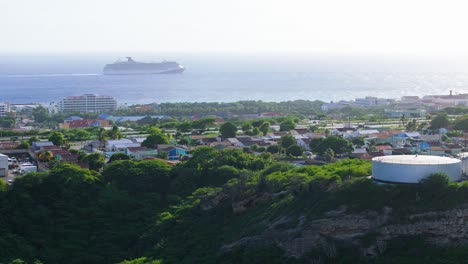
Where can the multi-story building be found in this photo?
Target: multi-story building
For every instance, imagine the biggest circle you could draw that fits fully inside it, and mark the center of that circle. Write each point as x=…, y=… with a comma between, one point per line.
x=370, y=101
x=87, y=103
x=4, y=109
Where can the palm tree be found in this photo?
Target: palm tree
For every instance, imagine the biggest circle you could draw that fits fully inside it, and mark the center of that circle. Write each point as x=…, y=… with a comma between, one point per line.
x=403, y=120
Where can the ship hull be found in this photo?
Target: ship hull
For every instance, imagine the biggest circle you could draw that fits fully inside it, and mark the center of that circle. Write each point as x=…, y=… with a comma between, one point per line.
x=145, y=72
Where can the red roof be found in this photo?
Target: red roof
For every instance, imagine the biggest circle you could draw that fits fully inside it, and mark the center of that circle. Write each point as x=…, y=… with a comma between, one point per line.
x=384, y=147
x=135, y=149
x=86, y=123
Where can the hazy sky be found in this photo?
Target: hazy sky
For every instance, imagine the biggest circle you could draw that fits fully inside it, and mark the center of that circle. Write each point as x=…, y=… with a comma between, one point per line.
x=190, y=26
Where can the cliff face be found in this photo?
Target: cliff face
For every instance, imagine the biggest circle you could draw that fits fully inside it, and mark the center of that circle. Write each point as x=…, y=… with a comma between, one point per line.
x=298, y=236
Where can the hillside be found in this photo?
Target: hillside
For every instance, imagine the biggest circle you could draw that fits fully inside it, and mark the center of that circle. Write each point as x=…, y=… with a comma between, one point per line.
x=230, y=207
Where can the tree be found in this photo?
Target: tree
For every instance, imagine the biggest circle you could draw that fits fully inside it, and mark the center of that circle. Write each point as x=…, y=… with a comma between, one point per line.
x=287, y=141
x=462, y=123
x=33, y=139
x=403, y=120
x=162, y=154
x=45, y=156
x=118, y=156
x=287, y=125
x=254, y=147
x=7, y=122
x=294, y=150
x=228, y=130
x=328, y=154
x=184, y=127
x=156, y=137
x=434, y=186
x=273, y=149
x=40, y=114
x=23, y=145
x=246, y=126
x=439, y=121
x=412, y=125
x=183, y=141
x=114, y=133
x=315, y=143
x=138, y=177
x=203, y=123
x=102, y=134
x=95, y=161
x=339, y=145
x=57, y=138
x=80, y=134
x=265, y=128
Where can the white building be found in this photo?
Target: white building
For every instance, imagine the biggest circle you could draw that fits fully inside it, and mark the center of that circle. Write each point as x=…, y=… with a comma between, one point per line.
x=370, y=101
x=3, y=165
x=88, y=103
x=4, y=109
x=121, y=144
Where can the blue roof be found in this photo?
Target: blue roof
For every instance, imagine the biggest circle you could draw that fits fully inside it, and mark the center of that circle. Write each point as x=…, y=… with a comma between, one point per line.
x=104, y=116
x=71, y=118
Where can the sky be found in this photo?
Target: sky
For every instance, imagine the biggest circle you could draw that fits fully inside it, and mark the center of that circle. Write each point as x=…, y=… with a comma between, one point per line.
x=240, y=26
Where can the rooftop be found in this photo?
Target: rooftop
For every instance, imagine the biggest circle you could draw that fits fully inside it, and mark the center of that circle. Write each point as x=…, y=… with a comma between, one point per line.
x=416, y=159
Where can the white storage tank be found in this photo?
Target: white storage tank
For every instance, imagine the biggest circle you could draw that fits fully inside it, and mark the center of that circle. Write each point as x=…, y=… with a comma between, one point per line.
x=413, y=168
x=3, y=165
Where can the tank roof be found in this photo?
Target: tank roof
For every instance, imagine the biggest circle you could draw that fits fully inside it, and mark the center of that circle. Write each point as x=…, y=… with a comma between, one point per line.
x=416, y=159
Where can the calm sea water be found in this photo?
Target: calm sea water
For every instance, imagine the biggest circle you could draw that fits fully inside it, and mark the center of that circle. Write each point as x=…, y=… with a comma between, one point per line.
x=230, y=78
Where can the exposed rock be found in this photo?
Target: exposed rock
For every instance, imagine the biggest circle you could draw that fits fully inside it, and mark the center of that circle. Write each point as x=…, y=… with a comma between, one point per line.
x=213, y=201
x=439, y=227
x=241, y=206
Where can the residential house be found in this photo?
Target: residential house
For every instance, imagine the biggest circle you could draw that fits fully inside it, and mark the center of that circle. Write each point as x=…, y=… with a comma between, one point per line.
x=235, y=142
x=304, y=143
x=140, y=153
x=120, y=144
x=175, y=152
x=37, y=145
x=384, y=149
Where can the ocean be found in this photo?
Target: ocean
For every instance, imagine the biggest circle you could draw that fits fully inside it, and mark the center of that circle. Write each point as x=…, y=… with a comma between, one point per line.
x=229, y=78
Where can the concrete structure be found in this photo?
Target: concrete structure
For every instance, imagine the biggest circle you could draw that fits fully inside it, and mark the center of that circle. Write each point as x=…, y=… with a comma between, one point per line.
x=4, y=109
x=464, y=162
x=3, y=165
x=370, y=101
x=25, y=109
x=87, y=103
x=413, y=168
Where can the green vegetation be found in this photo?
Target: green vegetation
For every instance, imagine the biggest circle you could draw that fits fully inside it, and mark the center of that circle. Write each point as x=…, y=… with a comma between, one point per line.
x=228, y=130
x=302, y=107
x=156, y=137
x=439, y=121
x=149, y=212
x=338, y=145
x=57, y=138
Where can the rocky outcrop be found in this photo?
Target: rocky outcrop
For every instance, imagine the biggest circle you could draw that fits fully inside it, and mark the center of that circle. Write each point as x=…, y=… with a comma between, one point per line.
x=305, y=235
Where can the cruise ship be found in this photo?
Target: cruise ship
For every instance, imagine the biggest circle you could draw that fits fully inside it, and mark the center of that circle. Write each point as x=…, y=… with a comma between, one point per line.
x=134, y=67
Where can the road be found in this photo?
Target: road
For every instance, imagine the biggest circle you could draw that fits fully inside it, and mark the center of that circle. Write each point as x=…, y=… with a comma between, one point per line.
x=10, y=176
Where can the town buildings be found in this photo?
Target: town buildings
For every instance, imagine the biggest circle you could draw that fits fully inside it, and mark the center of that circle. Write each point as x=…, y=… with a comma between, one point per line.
x=87, y=103
x=4, y=109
